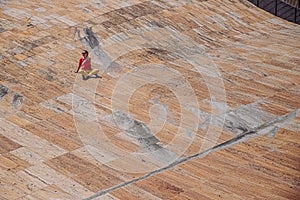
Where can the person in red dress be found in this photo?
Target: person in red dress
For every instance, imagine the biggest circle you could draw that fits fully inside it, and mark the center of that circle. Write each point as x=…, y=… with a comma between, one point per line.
x=85, y=67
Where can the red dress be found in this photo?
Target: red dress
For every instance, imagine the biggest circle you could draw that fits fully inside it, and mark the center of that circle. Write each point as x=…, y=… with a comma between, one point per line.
x=84, y=64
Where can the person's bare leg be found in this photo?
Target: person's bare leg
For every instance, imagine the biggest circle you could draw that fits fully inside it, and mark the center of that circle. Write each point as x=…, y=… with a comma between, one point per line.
x=84, y=75
x=94, y=73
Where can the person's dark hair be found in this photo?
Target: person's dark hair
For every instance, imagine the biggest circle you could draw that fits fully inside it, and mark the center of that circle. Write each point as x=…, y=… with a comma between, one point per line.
x=85, y=52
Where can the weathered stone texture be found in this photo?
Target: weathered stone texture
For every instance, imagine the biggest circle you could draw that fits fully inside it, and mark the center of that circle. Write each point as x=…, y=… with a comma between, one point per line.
x=197, y=100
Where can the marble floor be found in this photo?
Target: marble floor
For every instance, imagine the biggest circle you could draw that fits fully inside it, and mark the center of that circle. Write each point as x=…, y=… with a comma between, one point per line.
x=194, y=100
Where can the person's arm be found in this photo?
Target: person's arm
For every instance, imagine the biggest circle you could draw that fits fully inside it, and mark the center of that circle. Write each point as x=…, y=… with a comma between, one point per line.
x=79, y=65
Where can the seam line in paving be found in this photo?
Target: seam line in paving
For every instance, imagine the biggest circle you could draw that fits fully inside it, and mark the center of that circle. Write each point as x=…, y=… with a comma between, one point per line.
x=255, y=132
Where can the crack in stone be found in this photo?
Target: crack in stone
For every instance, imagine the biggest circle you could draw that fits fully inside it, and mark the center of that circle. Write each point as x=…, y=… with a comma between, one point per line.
x=266, y=128
x=255, y=132
x=36, y=177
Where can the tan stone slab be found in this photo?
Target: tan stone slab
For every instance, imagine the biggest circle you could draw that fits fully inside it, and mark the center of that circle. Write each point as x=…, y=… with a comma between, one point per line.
x=20, y=184
x=200, y=170
x=73, y=188
x=124, y=142
x=276, y=171
x=20, y=119
x=7, y=145
x=239, y=187
x=50, y=176
x=20, y=57
x=27, y=155
x=97, y=181
x=248, y=176
x=243, y=175
x=51, y=191
x=190, y=194
x=140, y=163
x=6, y=163
x=95, y=155
x=160, y=188
x=105, y=157
x=29, y=181
x=10, y=192
x=64, y=121
x=136, y=193
x=240, y=155
x=70, y=165
x=289, y=99
x=38, y=145
x=106, y=197
x=187, y=181
x=45, y=173
x=275, y=108
x=290, y=148
x=13, y=163
x=125, y=194
x=36, y=111
x=286, y=135
x=208, y=192
x=280, y=158
x=240, y=34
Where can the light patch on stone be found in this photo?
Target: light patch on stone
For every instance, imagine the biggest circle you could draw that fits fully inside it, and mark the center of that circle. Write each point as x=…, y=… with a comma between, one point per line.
x=16, y=13
x=66, y=21
x=40, y=9
x=25, y=138
x=28, y=155
x=22, y=64
x=34, y=20
x=101, y=155
x=236, y=121
x=158, y=115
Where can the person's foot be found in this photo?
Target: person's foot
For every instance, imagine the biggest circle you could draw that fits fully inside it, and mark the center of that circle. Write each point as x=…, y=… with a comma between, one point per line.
x=96, y=76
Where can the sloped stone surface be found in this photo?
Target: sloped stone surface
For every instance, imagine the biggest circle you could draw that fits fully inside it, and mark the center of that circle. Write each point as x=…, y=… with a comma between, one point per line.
x=197, y=100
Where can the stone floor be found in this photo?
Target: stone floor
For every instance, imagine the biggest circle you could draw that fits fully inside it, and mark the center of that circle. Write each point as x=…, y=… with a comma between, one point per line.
x=196, y=100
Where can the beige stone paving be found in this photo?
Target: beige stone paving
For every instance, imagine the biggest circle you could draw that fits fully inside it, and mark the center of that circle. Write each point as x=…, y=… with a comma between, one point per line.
x=178, y=78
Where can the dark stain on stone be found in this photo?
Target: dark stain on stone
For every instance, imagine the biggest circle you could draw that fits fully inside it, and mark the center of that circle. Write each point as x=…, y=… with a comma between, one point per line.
x=30, y=25
x=115, y=18
x=159, y=53
x=29, y=45
x=125, y=13
x=129, y=14
x=108, y=24
x=144, y=8
x=156, y=24
x=48, y=74
x=17, y=101
x=3, y=91
x=2, y=29
x=136, y=130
